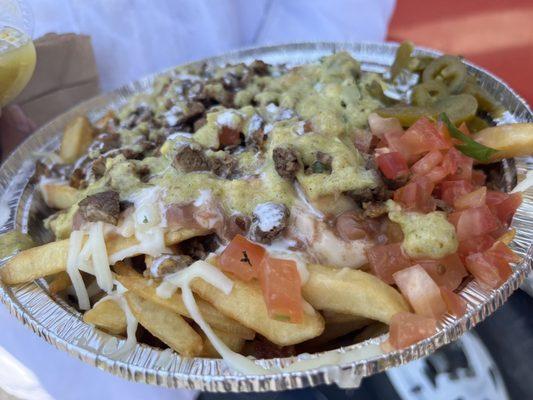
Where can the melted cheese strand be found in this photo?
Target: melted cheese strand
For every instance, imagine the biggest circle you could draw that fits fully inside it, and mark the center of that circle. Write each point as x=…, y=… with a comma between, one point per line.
x=104, y=278
x=74, y=248
x=206, y=271
x=131, y=321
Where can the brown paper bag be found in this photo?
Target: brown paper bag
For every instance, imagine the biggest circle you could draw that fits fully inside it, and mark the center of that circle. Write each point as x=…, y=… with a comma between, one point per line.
x=65, y=74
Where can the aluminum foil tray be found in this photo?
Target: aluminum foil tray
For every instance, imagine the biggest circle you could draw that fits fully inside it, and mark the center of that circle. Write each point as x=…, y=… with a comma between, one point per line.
x=61, y=325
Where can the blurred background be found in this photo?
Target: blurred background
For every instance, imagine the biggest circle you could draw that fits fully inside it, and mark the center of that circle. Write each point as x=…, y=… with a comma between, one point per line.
x=86, y=47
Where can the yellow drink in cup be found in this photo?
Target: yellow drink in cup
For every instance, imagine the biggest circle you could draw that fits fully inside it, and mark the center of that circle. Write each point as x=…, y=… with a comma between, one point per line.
x=17, y=62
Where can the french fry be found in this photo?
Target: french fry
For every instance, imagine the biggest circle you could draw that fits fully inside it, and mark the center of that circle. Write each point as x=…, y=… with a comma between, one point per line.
x=513, y=140
x=51, y=258
x=136, y=283
x=36, y=262
x=349, y=291
x=59, y=282
x=245, y=304
x=101, y=124
x=76, y=138
x=107, y=316
x=166, y=325
x=235, y=343
x=59, y=195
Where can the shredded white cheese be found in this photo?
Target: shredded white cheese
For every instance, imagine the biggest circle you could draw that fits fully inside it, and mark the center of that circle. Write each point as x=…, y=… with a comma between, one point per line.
x=303, y=199
x=74, y=248
x=131, y=321
x=102, y=272
x=212, y=275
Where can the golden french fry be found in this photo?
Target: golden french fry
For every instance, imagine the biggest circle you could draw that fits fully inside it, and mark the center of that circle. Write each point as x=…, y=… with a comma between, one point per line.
x=59, y=195
x=77, y=136
x=136, y=283
x=350, y=291
x=51, y=258
x=235, y=343
x=107, y=316
x=245, y=304
x=36, y=262
x=101, y=124
x=166, y=325
x=59, y=282
x=513, y=140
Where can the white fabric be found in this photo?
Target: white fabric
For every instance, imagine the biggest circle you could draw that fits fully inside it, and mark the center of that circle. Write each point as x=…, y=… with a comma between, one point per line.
x=133, y=38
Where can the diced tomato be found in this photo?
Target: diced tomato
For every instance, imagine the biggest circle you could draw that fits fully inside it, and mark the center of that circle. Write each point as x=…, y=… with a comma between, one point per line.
x=478, y=177
x=392, y=164
x=421, y=291
x=459, y=165
x=451, y=190
x=379, y=126
x=508, y=236
x=448, y=271
x=242, y=258
x=427, y=163
x=475, y=244
x=455, y=304
x=281, y=285
x=487, y=271
x=423, y=136
x=437, y=174
x=501, y=251
x=407, y=328
x=386, y=259
x=474, y=222
x=228, y=136
x=507, y=208
x=392, y=139
x=472, y=199
x=494, y=197
x=416, y=195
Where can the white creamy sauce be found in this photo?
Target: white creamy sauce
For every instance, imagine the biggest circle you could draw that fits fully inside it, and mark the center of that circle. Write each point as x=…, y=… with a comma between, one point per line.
x=255, y=123
x=230, y=119
x=300, y=128
x=203, y=198
x=149, y=225
x=269, y=216
x=176, y=135
x=303, y=199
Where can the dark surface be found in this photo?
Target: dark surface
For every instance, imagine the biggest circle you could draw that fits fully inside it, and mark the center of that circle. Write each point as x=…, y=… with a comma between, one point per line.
x=508, y=335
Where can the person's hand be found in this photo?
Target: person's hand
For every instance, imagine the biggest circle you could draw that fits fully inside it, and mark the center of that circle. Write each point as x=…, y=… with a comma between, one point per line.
x=15, y=126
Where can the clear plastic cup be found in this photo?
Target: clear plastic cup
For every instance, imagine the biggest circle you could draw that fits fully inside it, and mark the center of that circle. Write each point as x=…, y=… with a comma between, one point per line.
x=17, y=52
